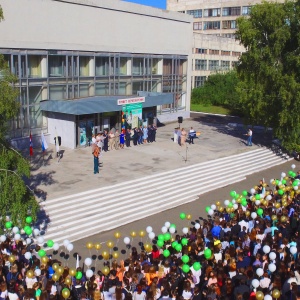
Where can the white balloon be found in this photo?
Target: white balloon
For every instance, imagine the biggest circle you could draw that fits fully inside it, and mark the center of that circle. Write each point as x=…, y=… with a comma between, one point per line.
x=269, y=197
x=55, y=246
x=283, y=174
x=272, y=267
x=259, y=272
x=257, y=202
x=89, y=273
x=127, y=240
x=255, y=283
x=197, y=226
x=271, y=180
x=268, y=297
x=252, y=191
x=149, y=229
x=164, y=229
x=15, y=229
x=272, y=255
x=37, y=272
x=172, y=230
x=253, y=215
x=213, y=207
x=233, y=201
x=70, y=247
x=40, y=240
x=36, y=231
x=28, y=241
x=296, y=187
x=88, y=261
x=235, y=206
x=293, y=250
x=185, y=230
x=168, y=224
x=2, y=238
x=17, y=236
x=66, y=243
x=266, y=249
x=27, y=255
x=293, y=166
x=279, y=183
x=210, y=212
x=151, y=236
x=226, y=202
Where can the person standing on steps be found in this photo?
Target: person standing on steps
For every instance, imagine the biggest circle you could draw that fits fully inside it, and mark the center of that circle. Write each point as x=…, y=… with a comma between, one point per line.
x=249, y=139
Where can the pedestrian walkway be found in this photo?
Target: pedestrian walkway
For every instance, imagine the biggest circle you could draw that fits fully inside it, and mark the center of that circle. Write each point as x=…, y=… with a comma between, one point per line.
x=83, y=214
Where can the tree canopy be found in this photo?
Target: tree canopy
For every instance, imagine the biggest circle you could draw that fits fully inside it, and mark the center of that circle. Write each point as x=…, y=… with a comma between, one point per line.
x=269, y=70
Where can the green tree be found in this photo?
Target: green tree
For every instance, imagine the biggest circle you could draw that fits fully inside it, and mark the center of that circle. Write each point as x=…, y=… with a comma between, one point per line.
x=16, y=199
x=219, y=89
x=269, y=70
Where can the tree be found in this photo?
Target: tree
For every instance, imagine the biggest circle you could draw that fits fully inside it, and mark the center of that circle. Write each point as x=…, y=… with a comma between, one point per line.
x=269, y=70
x=219, y=89
x=16, y=199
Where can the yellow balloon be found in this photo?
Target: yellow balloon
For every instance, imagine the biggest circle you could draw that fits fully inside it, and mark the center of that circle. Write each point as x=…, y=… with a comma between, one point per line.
x=44, y=259
x=109, y=244
x=283, y=219
x=55, y=266
x=72, y=272
x=59, y=270
x=68, y=281
x=188, y=217
x=97, y=246
x=65, y=293
x=277, y=205
x=273, y=182
x=89, y=245
x=11, y=258
x=218, y=203
x=29, y=274
x=147, y=247
x=105, y=270
x=238, y=200
x=142, y=233
x=105, y=255
x=276, y=294
x=256, y=187
x=247, y=213
x=274, y=217
x=55, y=277
x=221, y=209
x=133, y=233
x=115, y=255
x=117, y=235
x=259, y=295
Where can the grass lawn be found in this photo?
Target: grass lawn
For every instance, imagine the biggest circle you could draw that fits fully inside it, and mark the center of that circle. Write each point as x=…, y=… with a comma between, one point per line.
x=210, y=109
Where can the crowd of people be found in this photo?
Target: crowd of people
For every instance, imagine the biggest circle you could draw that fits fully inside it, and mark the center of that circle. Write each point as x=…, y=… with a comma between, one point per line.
x=114, y=140
x=181, y=136
x=245, y=249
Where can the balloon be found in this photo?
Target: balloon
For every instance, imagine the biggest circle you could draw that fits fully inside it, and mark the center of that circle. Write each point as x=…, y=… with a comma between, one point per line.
x=272, y=255
x=269, y=197
x=182, y=216
x=207, y=253
x=126, y=240
x=68, y=281
x=36, y=231
x=245, y=193
x=188, y=217
x=97, y=246
x=257, y=202
x=184, y=241
x=218, y=203
x=44, y=259
x=167, y=236
x=149, y=229
x=166, y=253
x=268, y=297
x=272, y=267
x=28, y=255
x=244, y=202
x=232, y=194
x=65, y=293
x=172, y=230
x=235, y=206
x=110, y=244
x=55, y=246
x=29, y=274
x=28, y=220
x=66, y=243
x=15, y=229
x=255, y=283
x=59, y=270
x=28, y=231
x=133, y=233
x=55, y=266
x=253, y=215
x=266, y=249
x=226, y=202
x=160, y=243
x=147, y=247
x=89, y=273
x=105, y=254
x=117, y=234
x=50, y=243
x=164, y=229
x=259, y=295
x=37, y=272
x=168, y=224
x=40, y=240
x=185, y=258
x=17, y=236
x=173, y=226
x=185, y=230
x=293, y=250
x=142, y=233
x=185, y=268
x=11, y=258
x=115, y=255
x=8, y=225
x=197, y=226
x=55, y=277
x=72, y=272
x=252, y=191
x=230, y=204
x=196, y=266
x=293, y=166
x=2, y=238
x=88, y=261
x=161, y=237
x=276, y=294
x=174, y=244
x=78, y=275
x=42, y=253
x=260, y=211
x=210, y=212
x=151, y=235
x=105, y=270
x=89, y=245
x=70, y=247
x=259, y=272
x=213, y=207
x=178, y=247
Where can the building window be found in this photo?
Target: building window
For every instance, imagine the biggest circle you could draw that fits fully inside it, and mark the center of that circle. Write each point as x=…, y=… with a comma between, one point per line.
x=196, y=13
x=246, y=10
x=56, y=66
x=199, y=81
x=102, y=66
x=225, y=65
x=229, y=35
x=211, y=25
x=200, y=50
x=57, y=92
x=225, y=53
x=231, y=11
x=234, y=53
x=137, y=66
x=200, y=64
x=34, y=66
x=213, y=65
x=229, y=24
x=212, y=12
x=84, y=66
x=214, y=52
x=234, y=64
x=197, y=25
x=102, y=88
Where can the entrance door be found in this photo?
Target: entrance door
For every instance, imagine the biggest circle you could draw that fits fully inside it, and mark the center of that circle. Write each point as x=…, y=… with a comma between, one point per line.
x=86, y=130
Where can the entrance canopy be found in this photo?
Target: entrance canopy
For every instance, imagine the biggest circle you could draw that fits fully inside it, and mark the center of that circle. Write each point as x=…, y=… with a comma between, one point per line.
x=100, y=104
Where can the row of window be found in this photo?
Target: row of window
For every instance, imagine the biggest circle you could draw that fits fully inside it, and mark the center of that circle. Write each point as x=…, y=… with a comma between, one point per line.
x=217, y=12
x=204, y=65
x=208, y=25
x=216, y=52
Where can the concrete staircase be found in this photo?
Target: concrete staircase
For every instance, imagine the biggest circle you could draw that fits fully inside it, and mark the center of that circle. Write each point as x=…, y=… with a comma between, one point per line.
x=81, y=215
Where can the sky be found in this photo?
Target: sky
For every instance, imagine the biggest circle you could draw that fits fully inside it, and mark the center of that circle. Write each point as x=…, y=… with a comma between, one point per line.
x=154, y=3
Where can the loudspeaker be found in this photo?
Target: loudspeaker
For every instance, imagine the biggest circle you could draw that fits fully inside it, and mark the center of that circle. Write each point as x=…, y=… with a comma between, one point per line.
x=180, y=119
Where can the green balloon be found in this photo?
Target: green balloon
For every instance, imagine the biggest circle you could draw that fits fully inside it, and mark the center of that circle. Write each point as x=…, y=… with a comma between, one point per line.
x=182, y=216
x=260, y=211
x=184, y=241
x=207, y=208
x=244, y=202
x=245, y=193
x=294, y=174
x=196, y=266
x=185, y=259
x=28, y=220
x=295, y=183
x=42, y=253
x=78, y=275
x=207, y=253
x=167, y=236
x=232, y=194
x=161, y=237
x=160, y=243
x=230, y=205
x=283, y=181
x=50, y=243
x=26, y=228
x=276, y=181
x=28, y=231
x=8, y=225
x=178, y=247
x=280, y=192
x=173, y=226
x=236, y=196
x=174, y=244
x=257, y=196
x=291, y=173
x=166, y=253
x=185, y=268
